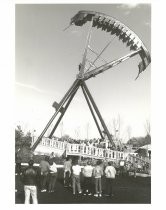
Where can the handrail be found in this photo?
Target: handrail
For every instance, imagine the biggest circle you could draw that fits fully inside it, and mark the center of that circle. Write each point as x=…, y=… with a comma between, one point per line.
x=83, y=150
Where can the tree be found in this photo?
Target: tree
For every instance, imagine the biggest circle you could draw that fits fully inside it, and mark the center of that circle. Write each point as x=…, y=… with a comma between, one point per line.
x=65, y=137
x=18, y=138
x=22, y=144
x=139, y=141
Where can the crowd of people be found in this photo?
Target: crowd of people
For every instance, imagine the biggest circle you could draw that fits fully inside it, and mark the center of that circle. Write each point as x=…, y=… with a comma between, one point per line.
x=95, y=142
x=81, y=179
x=42, y=178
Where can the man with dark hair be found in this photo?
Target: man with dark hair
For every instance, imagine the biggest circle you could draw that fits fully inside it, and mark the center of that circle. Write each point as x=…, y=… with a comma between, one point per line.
x=30, y=180
x=110, y=173
x=44, y=167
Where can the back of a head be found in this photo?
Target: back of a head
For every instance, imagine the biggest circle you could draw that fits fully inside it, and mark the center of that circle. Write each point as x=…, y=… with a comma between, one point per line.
x=110, y=163
x=98, y=163
x=31, y=162
x=30, y=171
x=46, y=158
x=67, y=159
x=88, y=163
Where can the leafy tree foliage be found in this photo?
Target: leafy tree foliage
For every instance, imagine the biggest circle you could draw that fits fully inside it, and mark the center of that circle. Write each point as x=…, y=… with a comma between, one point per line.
x=22, y=144
x=140, y=141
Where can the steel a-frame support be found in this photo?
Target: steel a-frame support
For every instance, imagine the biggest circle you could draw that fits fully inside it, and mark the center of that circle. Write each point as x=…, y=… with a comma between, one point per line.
x=66, y=97
x=66, y=100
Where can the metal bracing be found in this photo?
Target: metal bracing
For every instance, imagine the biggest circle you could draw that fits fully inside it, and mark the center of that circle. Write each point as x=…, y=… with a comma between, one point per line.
x=98, y=112
x=116, y=28
x=62, y=102
x=67, y=99
x=92, y=112
x=62, y=114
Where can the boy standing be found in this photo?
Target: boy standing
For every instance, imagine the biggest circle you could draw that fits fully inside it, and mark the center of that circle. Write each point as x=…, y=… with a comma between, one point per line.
x=76, y=169
x=30, y=178
x=87, y=172
x=98, y=173
x=110, y=173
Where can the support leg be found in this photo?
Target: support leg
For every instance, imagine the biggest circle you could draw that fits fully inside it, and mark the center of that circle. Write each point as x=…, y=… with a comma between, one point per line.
x=62, y=114
x=92, y=112
x=62, y=102
x=97, y=112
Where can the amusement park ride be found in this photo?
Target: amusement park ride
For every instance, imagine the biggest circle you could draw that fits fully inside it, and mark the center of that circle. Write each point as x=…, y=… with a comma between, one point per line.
x=88, y=68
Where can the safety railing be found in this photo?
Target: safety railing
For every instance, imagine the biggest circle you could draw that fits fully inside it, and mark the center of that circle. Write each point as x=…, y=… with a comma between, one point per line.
x=82, y=150
x=93, y=152
x=53, y=144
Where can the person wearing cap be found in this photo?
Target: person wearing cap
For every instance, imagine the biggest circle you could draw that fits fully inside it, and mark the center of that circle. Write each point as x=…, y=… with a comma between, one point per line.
x=30, y=181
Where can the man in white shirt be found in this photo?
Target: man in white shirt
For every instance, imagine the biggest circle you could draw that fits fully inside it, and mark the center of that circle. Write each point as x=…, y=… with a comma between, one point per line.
x=52, y=176
x=110, y=173
x=76, y=169
x=87, y=172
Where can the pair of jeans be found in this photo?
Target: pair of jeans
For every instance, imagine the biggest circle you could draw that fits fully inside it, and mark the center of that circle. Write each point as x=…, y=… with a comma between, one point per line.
x=109, y=186
x=88, y=184
x=30, y=191
x=44, y=180
x=76, y=183
x=52, y=181
x=98, y=188
x=67, y=178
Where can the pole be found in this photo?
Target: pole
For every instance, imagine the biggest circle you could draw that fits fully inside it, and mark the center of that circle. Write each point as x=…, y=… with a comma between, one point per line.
x=97, y=112
x=90, y=107
x=62, y=114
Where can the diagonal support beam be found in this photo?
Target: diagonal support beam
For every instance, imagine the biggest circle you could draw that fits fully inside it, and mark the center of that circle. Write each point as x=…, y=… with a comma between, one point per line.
x=92, y=112
x=62, y=114
x=98, y=112
x=62, y=102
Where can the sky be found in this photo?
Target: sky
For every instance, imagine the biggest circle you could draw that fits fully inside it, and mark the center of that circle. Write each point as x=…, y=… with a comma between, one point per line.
x=46, y=64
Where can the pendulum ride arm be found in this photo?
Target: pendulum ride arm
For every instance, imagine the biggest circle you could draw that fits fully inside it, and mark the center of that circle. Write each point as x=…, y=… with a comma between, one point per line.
x=115, y=27
x=62, y=102
x=90, y=107
x=109, y=65
x=81, y=73
x=97, y=112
